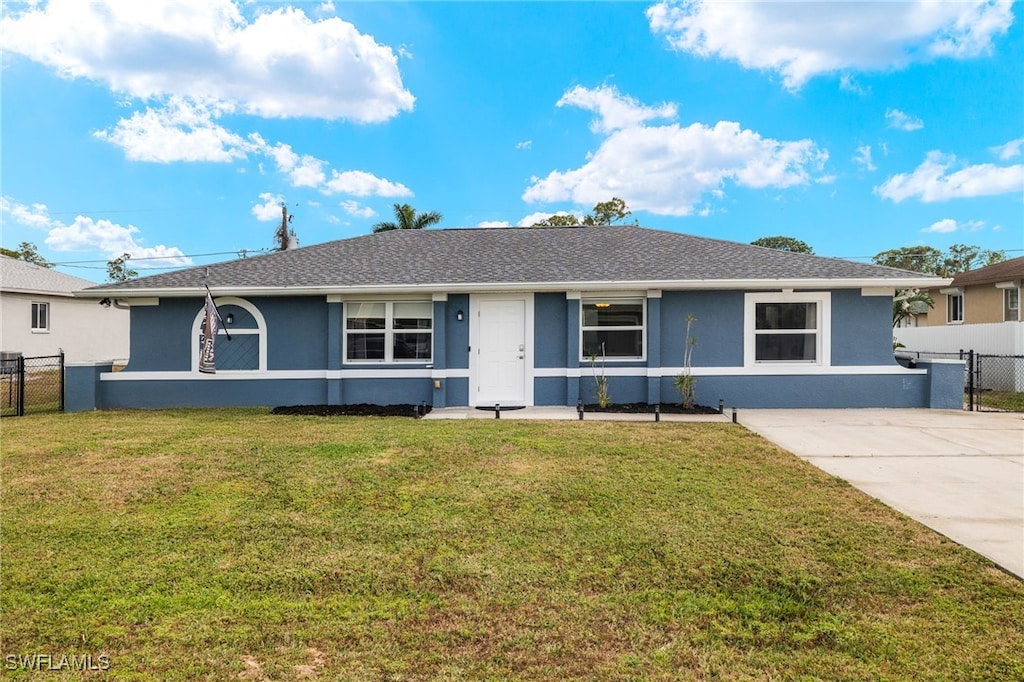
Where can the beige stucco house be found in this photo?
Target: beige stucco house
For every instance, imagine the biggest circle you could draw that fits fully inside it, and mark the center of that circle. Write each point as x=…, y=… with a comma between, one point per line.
x=39, y=316
x=980, y=310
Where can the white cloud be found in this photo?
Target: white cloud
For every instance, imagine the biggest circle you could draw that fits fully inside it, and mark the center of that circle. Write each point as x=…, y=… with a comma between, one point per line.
x=1009, y=150
x=533, y=218
x=87, y=234
x=181, y=131
x=494, y=223
x=668, y=169
x=270, y=209
x=614, y=111
x=354, y=208
x=942, y=226
x=280, y=64
x=863, y=157
x=35, y=215
x=525, y=144
x=802, y=40
x=362, y=184
x=949, y=225
x=848, y=83
x=932, y=182
x=901, y=121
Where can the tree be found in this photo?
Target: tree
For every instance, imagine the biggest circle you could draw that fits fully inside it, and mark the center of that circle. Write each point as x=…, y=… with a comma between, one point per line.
x=118, y=270
x=284, y=235
x=406, y=218
x=604, y=213
x=908, y=303
x=558, y=220
x=928, y=259
x=608, y=212
x=781, y=243
x=961, y=258
x=28, y=252
x=925, y=259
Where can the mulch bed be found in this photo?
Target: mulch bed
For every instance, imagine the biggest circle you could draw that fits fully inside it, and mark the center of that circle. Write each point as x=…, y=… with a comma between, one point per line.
x=645, y=408
x=361, y=410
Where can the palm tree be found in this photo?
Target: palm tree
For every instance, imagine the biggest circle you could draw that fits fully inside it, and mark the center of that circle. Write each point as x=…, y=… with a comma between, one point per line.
x=407, y=219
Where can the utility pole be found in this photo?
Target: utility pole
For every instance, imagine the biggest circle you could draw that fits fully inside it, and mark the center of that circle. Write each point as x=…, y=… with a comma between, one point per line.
x=285, y=237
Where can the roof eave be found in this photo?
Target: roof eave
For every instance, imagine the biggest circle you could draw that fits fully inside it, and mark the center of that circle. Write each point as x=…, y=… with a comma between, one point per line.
x=497, y=287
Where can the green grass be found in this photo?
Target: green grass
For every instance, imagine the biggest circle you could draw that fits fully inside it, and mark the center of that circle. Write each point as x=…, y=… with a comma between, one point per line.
x=1004, y=401
x=232, y=544
x=42, y=392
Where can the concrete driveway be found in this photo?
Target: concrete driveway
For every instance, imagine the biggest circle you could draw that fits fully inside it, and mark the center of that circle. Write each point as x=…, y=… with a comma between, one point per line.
x=959, y=473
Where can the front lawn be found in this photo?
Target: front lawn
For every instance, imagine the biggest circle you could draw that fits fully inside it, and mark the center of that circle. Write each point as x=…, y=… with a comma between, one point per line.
x=235, y=544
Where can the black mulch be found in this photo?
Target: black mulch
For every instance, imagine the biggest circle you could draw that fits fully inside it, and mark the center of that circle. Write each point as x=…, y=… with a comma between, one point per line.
x=361, y=410
x=645, y=408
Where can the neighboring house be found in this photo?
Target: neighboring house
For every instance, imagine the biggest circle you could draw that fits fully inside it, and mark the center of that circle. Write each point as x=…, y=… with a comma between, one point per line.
x=979, y=310
x=475, y=317
x=40, y=316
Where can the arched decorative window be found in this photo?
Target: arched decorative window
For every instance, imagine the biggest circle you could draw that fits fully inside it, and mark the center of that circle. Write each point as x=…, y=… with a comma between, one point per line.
x=247, y=349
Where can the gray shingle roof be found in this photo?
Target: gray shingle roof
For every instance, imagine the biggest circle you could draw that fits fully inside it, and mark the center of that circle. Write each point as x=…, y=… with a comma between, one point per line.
x=19, y=276
x=512, y=256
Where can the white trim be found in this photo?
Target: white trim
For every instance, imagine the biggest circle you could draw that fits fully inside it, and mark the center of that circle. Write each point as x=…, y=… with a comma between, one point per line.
x=952, y=291
x=474, y=337
x=654, y=293
x=547, y=372
x=823, y=332
x=949, y=306
x=1008, y=285
x=261, y=329
x=280, y=374
x=573, y=295
x=45, y=307
x=888, y=292
x=516, y=287
x=138, y=301
x=389, y=333
x=589, y=297
x=435, y=297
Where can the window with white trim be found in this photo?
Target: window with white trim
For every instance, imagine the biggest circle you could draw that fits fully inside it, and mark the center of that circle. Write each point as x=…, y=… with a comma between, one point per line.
x=40, y=317
x=612, y=328
x=1011, y=304
x=955, y=308
x=389, y=331
x=787, y=328
x=246, y=351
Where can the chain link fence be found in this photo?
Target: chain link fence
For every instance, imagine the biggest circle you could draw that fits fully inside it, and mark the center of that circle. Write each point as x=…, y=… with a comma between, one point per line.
x=30, y=385
x=992, y=383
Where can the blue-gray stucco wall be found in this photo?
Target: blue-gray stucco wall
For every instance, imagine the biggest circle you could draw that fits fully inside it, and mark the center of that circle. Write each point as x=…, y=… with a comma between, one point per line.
x=860, y=335
x=306, y=333
x=550, y=330
x=717, y=327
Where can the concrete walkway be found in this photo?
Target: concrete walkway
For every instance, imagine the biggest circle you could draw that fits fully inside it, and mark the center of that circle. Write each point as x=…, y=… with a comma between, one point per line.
x=959, y=473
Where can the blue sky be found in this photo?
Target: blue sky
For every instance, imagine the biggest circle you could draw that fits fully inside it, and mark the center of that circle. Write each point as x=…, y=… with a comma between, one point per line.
x=173, y=130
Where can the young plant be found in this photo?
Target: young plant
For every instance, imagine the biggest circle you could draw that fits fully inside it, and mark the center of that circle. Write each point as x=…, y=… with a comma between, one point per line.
x=685, y=381
x=600, y=380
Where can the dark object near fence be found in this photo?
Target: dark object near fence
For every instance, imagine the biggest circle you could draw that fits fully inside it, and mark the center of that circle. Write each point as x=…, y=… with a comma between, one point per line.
x=31, y=384
x=992, y=383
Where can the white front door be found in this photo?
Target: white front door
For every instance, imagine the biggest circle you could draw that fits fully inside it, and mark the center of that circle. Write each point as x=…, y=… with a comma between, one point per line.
x=500, y=351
